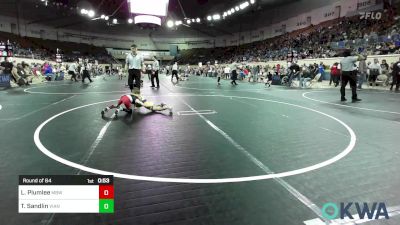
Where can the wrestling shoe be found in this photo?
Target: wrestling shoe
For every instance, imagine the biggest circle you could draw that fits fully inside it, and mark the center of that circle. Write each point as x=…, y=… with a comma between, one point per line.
x=343, y=99
x=356, y=100
x=102, y=113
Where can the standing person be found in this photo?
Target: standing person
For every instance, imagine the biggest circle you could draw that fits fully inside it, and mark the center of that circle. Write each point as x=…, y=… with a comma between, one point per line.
x=363, y=71
x=256, y=73
x=234, y=76
x=396, y=76
x=321, y=70
x=294, y=72
x=167, y=68
x=385, y=70
x=154, y=75
x=335, y=74
x=374, y=71
x=134, y=66
x=85, y=71
x=175, y=71
x=278, y=69
x=227, y=72
x=149, y=71
x=120, y=73
x=349, y=75
x=219, y=77
x=72, y=71
x=7, y=68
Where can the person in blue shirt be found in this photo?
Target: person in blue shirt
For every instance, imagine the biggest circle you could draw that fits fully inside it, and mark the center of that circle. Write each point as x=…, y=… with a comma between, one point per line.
x=321, y=70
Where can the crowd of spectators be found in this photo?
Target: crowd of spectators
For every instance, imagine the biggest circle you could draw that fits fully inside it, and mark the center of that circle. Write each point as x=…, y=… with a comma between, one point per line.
x=39, y=49
x=367, y=36
x=371, y=74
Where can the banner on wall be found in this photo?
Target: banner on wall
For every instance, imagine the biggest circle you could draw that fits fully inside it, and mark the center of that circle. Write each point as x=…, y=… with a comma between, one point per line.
x=363, y=4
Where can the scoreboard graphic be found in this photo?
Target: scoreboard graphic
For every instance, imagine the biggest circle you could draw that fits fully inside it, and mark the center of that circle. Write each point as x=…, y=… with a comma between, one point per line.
x=66, y=194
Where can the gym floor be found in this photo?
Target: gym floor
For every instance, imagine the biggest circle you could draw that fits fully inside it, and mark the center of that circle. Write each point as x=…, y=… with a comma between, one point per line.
x=244, y=155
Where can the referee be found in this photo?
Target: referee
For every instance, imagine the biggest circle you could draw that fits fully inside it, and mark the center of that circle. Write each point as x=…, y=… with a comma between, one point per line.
x=349, y=74
x=85, y=71
x=134, y=65
x=154, y=74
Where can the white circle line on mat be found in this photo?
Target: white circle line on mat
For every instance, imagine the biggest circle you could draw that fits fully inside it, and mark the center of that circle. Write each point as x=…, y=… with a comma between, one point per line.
x=347, y=106
x=317, y=166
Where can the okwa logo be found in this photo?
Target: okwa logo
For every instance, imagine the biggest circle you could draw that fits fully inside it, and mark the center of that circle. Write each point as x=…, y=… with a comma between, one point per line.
x=375, y=211
x=370, y=15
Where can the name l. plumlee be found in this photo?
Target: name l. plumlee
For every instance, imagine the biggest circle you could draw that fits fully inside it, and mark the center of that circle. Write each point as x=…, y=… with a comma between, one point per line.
x=32, y=192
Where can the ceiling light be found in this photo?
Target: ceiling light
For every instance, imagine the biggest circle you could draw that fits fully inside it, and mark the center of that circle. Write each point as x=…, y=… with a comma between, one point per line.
x=170, y=23
x=209, y=18
x=237, y=8
x=188, y=21
x=91, y=13
x=106, y=18
x=84, y=11
x=115, y=21
x=130, y=20
x=198, y=20
x=244, y=5
x=252, y=1
x=103, y=16
x=216, y=17
x=193, y=20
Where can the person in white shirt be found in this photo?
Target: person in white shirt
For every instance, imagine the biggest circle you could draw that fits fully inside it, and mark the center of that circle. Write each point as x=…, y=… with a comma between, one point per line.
x=72, y=71
x=85, y=71
x=227, y=72
x=218, y=76
x=134, y=66
x=175, y=72
x=375, y=70
x=154, y=75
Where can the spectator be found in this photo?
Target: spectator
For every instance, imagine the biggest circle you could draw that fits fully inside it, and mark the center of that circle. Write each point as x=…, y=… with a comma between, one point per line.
x=335, y=74
x=362, y=71
x=374, y=71
x=8, y=66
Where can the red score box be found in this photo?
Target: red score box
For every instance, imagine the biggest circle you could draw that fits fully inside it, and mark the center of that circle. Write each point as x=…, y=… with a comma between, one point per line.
x=106, y=192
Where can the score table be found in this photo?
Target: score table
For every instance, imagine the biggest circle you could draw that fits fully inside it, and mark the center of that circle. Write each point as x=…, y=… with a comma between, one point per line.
x=65, y=194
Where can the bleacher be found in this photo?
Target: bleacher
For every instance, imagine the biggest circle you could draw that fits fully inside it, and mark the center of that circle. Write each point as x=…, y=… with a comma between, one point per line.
x=46, y=49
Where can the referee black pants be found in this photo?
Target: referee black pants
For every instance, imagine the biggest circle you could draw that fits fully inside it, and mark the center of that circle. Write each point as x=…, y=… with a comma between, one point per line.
x=134, y=78
x=349, y=76
x=396, y=81
x=175, y=73
x=85, y=75
x=154, y=76
x=73, y=75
